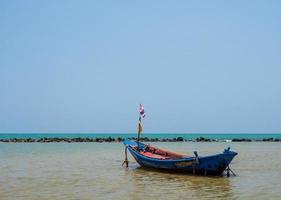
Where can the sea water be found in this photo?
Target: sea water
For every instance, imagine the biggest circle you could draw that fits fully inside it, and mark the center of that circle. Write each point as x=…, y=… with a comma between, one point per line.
x=68, y=171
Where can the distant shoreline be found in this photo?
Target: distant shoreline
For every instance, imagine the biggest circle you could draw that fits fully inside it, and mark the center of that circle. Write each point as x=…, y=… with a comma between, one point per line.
x=121, y=139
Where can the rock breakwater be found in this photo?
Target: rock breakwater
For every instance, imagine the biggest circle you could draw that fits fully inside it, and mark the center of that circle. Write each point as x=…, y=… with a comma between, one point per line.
x=120, y=139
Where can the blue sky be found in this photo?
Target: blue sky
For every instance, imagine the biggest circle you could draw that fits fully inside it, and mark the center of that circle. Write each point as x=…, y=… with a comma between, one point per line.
x=84, y=66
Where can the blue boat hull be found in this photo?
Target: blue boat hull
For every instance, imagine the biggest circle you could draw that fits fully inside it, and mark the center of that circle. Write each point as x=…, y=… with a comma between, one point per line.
x=207, y=165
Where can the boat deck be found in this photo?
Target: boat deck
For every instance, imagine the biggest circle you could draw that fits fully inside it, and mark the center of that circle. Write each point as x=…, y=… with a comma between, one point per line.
x=161, y=154
x=152, y=155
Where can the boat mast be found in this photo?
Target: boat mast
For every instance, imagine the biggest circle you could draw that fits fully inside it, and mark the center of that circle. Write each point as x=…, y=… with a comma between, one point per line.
x=139, y=130
x=141, y=115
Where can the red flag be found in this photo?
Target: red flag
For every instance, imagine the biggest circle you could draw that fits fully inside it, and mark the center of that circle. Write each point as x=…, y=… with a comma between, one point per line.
x=142, y=113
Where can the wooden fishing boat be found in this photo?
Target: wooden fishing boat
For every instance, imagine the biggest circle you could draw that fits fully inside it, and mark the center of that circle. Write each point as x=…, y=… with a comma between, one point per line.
x=152, y=157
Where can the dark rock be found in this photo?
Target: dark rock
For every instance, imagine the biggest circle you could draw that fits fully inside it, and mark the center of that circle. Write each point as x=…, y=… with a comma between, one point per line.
x=241, y=140
x=30, y=140
x=267, y=139
x=202, y=139
x=66, y=140
x=55, y=139
x=109, y=139
x=89, y=140
x=99, y=139
x=42, y=140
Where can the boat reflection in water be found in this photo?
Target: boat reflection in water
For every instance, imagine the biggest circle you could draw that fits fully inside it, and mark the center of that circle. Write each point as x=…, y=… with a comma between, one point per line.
x=177, y=185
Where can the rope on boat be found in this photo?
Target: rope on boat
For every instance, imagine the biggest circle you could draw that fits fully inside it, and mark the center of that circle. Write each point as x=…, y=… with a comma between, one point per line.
x=126, y=161
x=228, y=170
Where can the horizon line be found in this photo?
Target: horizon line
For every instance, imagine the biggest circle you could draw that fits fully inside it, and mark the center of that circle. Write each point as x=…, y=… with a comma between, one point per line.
x=136, y=133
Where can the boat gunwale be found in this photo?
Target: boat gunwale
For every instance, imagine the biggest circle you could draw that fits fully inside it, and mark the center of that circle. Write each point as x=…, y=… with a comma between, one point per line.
x=191, y=158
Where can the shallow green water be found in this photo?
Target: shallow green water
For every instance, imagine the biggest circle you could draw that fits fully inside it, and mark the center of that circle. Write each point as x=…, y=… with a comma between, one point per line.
x=93, y=171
